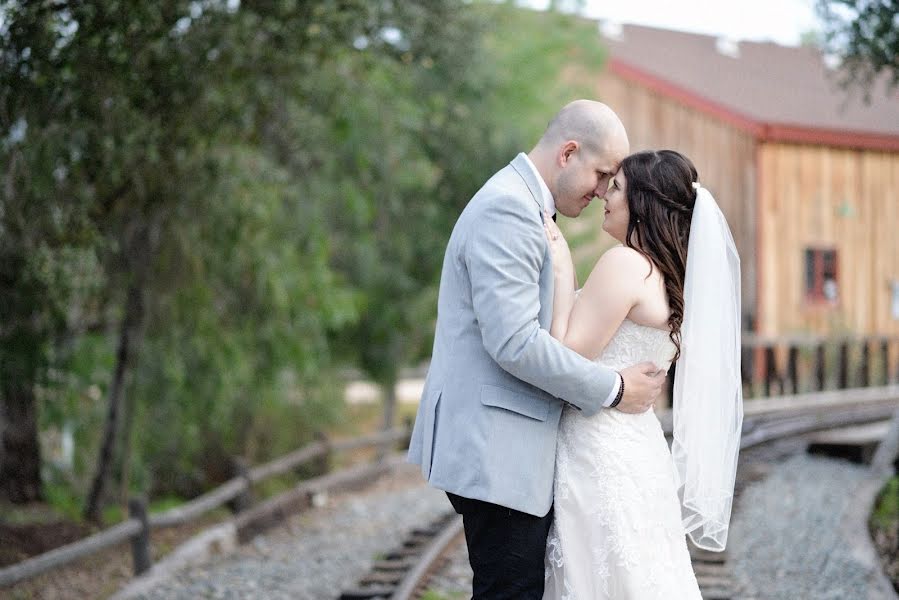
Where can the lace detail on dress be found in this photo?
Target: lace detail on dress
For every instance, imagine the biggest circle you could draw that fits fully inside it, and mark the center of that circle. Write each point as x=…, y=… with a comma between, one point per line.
x=616, y=507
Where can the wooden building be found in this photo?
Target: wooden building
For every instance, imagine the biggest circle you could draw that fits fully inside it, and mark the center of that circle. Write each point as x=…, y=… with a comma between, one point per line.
x=807, y=175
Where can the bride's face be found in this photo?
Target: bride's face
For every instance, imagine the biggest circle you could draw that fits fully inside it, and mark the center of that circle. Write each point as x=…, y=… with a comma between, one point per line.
x=617, y=213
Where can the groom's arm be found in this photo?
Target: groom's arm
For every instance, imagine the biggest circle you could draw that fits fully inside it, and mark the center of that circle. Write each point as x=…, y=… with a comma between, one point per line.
x=504, y=255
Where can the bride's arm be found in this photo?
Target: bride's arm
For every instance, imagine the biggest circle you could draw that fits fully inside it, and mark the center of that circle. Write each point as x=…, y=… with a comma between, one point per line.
x=564, y=280
x=587, y=322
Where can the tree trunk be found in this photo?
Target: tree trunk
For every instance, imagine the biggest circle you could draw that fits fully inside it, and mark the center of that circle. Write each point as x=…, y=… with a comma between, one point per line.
x=23, y=332
x=127, y=424
x=20, y=458
x=129, y=332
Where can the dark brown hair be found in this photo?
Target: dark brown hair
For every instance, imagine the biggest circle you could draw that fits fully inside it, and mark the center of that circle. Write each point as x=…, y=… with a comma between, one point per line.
x=660, y=198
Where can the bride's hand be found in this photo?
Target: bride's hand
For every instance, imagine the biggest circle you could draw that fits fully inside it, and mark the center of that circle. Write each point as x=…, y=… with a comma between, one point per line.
x=558, y=247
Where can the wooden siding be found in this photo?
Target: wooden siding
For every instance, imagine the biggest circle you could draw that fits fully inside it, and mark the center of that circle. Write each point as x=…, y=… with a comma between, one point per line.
x=824, y=197
x=724, y=157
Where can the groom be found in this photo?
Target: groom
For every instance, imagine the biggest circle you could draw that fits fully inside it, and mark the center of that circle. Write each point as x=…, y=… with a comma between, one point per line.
x=489, y=414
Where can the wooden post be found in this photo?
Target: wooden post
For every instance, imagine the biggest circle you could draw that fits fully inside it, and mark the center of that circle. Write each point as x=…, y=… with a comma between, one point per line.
x=820, y=368
x=408, y=424
x=323, y=462
x=140, y=543
x=895, y=368
x=770, y=369
x=747, y=368
x=843, y=373
x=244, y=499
x=865, y=366
x=885, y=359
x=792, y=370
x=892, y=372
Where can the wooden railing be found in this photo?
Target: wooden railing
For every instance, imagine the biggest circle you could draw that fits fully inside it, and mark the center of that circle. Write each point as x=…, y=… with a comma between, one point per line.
x=797, y=364
x=237, y=491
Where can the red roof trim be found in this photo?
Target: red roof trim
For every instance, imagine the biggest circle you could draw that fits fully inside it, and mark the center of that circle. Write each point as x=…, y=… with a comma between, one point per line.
x=774, y=132
x=831, y=137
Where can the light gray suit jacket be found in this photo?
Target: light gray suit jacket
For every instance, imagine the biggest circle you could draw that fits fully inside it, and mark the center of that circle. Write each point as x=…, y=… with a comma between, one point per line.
x=489, y=413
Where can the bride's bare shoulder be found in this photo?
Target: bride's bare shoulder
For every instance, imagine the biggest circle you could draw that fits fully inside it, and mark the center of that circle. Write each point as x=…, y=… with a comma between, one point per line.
x=625, y=259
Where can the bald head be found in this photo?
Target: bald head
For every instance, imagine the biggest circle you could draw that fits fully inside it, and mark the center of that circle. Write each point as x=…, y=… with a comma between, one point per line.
x=579, y=153
x=591, y=124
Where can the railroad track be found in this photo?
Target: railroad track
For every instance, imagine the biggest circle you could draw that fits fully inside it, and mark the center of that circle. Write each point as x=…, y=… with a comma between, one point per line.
x=404, y=573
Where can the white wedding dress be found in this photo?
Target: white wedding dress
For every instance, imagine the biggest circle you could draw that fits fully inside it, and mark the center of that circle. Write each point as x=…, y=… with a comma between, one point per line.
x=617, y=531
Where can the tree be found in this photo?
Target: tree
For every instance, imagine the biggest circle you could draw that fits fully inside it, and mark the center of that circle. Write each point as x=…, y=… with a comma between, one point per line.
x=46, y=234
x=390, y=230
x=865, y=34
x=462, y=106
x=112, y=109
x=204, y=202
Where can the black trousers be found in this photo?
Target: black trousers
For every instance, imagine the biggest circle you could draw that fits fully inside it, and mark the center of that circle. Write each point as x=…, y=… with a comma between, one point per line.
x=505, y=549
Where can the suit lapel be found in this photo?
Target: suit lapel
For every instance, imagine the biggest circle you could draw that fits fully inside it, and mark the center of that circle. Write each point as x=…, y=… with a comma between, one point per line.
x=524, y=170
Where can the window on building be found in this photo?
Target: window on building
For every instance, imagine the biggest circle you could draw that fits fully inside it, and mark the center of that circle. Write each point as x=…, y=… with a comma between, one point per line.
x=821, y=275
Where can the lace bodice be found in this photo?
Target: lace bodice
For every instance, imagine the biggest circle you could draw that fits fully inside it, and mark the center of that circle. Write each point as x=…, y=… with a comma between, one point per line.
x=634, y=343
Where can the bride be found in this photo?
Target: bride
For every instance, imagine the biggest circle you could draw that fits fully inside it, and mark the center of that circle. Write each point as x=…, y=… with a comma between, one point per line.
x=670, y=291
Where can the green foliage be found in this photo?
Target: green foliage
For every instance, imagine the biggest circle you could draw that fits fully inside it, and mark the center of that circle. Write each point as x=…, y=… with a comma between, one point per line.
x=864, y=33
x=279, y=179
x=434, y=595
x=886, y=507
x=65, y=501
x=422, y=136
x=539, y=62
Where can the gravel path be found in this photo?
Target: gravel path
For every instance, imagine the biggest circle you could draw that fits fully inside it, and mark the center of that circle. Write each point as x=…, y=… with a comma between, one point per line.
x=789, y=539
x=317, y=553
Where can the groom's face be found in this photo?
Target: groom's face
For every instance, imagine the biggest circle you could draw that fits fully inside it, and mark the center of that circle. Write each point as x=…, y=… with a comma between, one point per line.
x=584, y=176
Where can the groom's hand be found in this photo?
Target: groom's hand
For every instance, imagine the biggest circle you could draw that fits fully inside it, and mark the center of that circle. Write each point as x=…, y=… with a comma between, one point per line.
x=642, y=386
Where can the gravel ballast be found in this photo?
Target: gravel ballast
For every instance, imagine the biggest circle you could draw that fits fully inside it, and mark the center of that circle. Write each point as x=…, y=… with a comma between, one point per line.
x=800, y=533
x=317, y=553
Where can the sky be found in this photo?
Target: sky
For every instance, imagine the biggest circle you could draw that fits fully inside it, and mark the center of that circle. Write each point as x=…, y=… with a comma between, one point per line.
x=781, y=21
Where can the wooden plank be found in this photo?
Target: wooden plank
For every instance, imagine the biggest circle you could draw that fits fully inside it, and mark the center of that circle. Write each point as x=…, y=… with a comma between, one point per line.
x=429, y=556
x=704, y=569
x=371, y=440
x=69, y=553
x=288, y=462
x=828, y=197
x=857, y=444
x=200, y=505
x=887, y=450
x=856, y=434
x=803, y=402
x=275, y=510
x=238, y=485
x=367, y=592
x=318, y=449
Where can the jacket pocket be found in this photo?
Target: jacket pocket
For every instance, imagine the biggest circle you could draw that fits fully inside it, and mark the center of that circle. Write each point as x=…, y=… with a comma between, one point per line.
x=517, y=402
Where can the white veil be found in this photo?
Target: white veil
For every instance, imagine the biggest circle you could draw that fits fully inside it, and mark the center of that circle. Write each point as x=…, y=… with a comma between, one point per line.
x=708, y=397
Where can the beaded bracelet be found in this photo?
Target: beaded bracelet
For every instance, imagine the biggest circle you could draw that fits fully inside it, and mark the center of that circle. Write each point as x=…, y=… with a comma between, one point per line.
x=620, y=393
